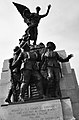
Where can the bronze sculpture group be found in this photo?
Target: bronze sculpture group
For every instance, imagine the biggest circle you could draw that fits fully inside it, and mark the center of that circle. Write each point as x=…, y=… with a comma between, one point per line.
x=34, y=64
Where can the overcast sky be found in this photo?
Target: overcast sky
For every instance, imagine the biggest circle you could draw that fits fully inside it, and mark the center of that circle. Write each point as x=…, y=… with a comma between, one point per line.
x=61, y=26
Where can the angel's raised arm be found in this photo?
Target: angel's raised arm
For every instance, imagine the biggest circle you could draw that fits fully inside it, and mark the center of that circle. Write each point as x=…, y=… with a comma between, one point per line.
x=44, y=15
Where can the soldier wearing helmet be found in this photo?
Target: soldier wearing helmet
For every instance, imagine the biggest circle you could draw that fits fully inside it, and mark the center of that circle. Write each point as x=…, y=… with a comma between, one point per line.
x=15, y=76
x=30, y=70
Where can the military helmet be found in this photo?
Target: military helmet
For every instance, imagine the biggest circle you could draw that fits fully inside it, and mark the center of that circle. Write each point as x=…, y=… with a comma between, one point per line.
x=41, y=45
x=51, y=45
x=17, y=50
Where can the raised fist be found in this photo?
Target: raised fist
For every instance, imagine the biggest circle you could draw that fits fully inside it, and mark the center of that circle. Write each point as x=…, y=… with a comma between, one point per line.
x=49, y=6
x=70, y=56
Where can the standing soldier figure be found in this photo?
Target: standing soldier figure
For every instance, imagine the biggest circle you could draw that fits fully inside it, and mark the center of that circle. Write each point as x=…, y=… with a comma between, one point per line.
x=30, y=71
x=41, y=70
x=51, y=61
x=15, y=76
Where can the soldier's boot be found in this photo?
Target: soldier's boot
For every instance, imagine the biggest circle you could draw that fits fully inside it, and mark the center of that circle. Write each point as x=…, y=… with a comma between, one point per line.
x=22, y=92
x=20, y=99
x=8, y=99
x=15, y=96
x=47, y=91
x=49, y=85
x=58, y=91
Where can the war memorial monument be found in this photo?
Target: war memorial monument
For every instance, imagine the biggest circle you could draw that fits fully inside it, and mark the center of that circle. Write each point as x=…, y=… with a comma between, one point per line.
x=38, y=83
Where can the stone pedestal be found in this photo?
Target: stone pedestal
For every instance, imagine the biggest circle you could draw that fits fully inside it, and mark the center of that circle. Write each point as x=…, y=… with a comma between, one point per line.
x=68, y=85
x=67, y=109
x=43, y=110
x=38, y=110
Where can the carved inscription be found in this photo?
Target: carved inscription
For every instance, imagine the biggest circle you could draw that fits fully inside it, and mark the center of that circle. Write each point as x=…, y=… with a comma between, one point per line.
x=46, y=110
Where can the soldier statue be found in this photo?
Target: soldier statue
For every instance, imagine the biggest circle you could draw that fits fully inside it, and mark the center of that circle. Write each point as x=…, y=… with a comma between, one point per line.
x=30, y=70
x=36, y=62
x=50, y=61
x=15, y=76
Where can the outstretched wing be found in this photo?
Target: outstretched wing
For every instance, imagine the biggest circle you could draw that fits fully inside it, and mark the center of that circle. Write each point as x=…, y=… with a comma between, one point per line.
x=21, y=8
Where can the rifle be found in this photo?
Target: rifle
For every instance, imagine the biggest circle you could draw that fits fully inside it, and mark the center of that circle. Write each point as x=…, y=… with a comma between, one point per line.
x=31, y=49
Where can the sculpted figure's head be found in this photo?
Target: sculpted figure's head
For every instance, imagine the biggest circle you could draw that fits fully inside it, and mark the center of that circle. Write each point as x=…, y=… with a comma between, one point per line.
x=51, y=45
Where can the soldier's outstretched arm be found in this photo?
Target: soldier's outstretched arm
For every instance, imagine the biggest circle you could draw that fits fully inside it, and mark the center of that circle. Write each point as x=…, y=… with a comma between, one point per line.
x=64, y=59
x=70, y=56
x=49, y=6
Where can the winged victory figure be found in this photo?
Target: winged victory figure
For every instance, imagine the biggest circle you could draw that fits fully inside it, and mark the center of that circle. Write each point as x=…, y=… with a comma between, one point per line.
x=32, y=20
